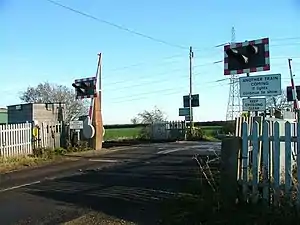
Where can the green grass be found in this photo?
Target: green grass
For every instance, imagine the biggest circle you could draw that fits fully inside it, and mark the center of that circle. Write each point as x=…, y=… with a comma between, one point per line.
x=133, y=133
x=122, y=133
x=211, y=131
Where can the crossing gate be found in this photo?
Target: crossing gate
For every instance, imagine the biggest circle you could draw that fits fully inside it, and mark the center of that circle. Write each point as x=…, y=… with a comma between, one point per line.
x=269, y=166
x=169, y=130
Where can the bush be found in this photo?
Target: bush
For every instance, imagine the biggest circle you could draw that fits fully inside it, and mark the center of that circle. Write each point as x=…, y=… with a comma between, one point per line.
x=51, y=153
x=228, y=128
x=119, y=126
x=197, y=134
x=60, y=151
x=43, y=152
x=145, y=133
x=80, y=147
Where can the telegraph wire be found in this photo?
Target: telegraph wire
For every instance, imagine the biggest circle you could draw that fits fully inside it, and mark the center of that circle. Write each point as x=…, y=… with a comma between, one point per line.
x=181, y=55
x=164, y=73
x=151, y=62
x=220, y=46
x=169, y=89
x=127, y=29
x=153, y=38
x=147, y=62
x=147, y=81
x=153, y=81
x=117, y=26
x=165, y=92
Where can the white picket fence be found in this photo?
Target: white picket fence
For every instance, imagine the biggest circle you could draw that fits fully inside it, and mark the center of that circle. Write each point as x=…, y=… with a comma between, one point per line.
x=267, y=158
x=17, y=139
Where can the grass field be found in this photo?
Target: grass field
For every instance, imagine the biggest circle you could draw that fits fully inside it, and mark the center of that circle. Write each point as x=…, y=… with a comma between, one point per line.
x=133, y=133
x=122, y=133
x=211, y=130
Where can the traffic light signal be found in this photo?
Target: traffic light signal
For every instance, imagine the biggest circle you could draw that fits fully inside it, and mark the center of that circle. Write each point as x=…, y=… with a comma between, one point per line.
x=85, y=88
x=247, y=57
x=289, y=93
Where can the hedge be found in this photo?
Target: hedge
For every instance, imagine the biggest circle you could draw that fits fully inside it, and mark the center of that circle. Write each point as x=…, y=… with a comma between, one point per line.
x=206, y=123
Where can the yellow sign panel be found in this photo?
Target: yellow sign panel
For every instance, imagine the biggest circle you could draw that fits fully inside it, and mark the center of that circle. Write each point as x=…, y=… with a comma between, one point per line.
x=35, y=132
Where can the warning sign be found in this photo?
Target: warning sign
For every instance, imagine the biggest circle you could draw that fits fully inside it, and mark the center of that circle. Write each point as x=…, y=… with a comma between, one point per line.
x=262, y=85
x=254, y=104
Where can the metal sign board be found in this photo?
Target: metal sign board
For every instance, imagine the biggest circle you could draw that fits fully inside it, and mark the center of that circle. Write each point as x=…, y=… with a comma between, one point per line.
x=263, y=85
x=195, y=101
x=254, y=104
x=76, y=125
x=187, y=118
x=184, y=111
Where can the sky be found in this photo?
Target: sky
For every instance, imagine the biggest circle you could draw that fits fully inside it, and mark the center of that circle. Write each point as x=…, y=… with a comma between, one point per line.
x=40, y=41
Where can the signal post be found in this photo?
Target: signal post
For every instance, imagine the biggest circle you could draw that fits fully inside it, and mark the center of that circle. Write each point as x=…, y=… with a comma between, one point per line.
x=93, y=124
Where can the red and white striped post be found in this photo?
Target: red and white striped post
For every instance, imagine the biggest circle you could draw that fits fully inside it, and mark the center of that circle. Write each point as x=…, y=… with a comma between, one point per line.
x=294, y=92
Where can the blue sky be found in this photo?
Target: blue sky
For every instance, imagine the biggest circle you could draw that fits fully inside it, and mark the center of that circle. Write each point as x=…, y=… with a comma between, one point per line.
x=43, y=42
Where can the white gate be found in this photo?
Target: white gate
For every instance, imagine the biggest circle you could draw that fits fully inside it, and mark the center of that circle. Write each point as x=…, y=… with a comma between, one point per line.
x=159, y=131
x=168, y=130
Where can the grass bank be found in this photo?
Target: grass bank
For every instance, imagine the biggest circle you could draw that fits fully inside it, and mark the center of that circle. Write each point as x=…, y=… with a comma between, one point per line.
x=10, y=164
x=40, y=156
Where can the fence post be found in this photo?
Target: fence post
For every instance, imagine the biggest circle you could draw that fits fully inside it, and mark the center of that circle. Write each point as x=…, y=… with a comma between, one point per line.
x=229, y=167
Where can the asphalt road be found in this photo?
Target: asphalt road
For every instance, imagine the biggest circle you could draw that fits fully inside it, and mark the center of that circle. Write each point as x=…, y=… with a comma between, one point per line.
x=128, y=185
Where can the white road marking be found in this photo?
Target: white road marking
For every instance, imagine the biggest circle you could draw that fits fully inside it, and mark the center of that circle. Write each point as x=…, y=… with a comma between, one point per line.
x=170, y=151
x=104, y=160
x=19, y=186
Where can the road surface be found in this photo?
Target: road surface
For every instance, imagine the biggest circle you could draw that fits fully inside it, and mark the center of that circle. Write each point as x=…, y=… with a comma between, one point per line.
x=126, y=185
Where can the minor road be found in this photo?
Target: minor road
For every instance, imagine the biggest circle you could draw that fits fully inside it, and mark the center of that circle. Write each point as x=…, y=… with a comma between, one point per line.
x=125, y=185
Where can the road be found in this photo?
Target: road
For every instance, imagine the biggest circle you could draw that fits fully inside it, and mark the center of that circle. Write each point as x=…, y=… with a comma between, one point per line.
x=127, y=185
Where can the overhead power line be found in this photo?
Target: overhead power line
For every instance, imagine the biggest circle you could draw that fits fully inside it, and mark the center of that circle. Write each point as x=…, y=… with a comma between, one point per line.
x=163, y=92
x=148, y=62
x=163, y=73
x=146, y=80
x=118, y=26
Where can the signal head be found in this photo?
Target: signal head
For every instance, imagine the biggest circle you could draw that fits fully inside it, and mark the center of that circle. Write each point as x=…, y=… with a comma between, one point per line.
x=252, y=49
x=231, y=52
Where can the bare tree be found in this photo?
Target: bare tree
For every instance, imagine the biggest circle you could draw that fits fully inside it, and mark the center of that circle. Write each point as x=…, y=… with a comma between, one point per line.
x=53, y=93
x=278, y=102
x=134, y=120
x=147, y=117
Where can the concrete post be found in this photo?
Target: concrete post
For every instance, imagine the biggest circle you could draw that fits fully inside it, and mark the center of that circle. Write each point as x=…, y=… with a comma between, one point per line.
x=229, y=167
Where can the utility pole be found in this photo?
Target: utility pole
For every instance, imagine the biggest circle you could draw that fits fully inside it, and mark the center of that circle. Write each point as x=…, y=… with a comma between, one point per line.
x=294, y=92
x=191, y=89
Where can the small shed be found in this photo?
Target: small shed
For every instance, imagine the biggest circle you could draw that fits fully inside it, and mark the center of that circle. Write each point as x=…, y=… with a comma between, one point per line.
x=35, y=112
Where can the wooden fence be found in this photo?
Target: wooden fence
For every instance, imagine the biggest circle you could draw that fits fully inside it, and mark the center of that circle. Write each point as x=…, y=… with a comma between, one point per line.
x=267, y=166
x=18, y=139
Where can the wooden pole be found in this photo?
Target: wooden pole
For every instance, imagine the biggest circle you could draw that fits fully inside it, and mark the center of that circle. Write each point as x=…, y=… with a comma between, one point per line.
x=97, y=121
